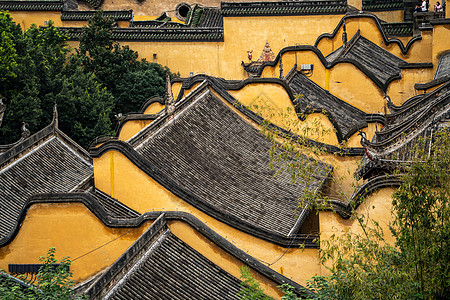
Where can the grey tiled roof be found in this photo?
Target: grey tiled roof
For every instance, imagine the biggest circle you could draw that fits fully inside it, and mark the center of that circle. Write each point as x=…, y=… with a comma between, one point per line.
x=443, y=68
x=113, y=207
x=345, y=117
x=279, y=8
x=84, y=15
x=211, y=17
x=380, y=63
x=51, y=166
x=51, y=5
x=215, y=156
x=187, y=34
x=398, y=29
x=382, y=5
x=171, y=269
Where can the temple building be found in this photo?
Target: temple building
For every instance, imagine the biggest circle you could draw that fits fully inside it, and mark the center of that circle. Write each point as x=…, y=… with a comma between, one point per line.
x=186, y=193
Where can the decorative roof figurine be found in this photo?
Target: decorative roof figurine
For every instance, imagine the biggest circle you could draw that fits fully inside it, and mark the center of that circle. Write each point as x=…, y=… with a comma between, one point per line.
x=2, y=109
x=253, y=66
x=25, y=132
x=267, y=54
x=170, y=103
x=250, y=55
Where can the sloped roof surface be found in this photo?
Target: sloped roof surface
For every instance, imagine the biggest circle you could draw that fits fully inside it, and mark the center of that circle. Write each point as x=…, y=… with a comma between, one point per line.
x=50, y=167
x=212, y=17
x=212, y=154
x=113, y=207
x=443, y=68
x=380, y=63
x=347, y=117
x=171, y=269
x=279, y=8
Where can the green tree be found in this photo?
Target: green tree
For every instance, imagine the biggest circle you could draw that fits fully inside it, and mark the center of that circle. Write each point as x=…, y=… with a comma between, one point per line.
x=251, y=288
x=44, y=78
x=9, y=36
x=130, y=80
x=53, y=281
x=365, y=266
x=422, y=223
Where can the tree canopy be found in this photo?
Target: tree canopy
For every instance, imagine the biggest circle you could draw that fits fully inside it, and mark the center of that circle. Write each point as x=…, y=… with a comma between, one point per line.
x=99, y=80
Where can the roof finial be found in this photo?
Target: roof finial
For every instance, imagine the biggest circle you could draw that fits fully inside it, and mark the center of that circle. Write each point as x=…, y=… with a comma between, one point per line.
x=25, y=132
x=2, y=109
x=389, y=102
x=344, y=35
x=55, y=115
x=170, y=103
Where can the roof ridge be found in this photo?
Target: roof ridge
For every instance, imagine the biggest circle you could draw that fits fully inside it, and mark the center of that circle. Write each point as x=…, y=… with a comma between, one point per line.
x=163, y=119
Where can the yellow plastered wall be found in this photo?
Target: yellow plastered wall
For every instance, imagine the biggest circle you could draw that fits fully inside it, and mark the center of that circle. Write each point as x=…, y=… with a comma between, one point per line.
x=355, y=3
x=419, y=52
x=251, y=33
x=272, y=102
x=140, y=192
x=360, y=91
x=26, y=18
x=223, y=59
x=441, y=41
x=131, y=127
x=154, y=108
x=401, y=90
x=74, y=231
x=395, y=16
x=377, y=206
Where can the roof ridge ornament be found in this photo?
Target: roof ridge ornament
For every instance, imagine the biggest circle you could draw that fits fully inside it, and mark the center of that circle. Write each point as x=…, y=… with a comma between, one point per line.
x=25, y=132
x=344, y=35
x=2, y=109
x=169, y=101
x=55, y=115
x=364, y=144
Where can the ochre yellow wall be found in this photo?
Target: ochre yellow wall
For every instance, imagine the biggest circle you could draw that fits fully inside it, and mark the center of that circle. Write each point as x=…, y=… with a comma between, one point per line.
x=140, y=192
x=401, y=90
x=360, y=91
x=154, y=108
x=395, y=16
x=355, y=3
x=378, y=206
x=131, y=127
x=26, y=18
x=419, y=52
x=73, y=230
x=271, y=101
x=441, y=41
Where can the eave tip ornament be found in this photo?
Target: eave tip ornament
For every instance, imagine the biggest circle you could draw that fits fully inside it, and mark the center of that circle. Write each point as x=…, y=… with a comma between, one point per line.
x=55, y=115
x=25, y=133
x=2, y=109
x=169, y=101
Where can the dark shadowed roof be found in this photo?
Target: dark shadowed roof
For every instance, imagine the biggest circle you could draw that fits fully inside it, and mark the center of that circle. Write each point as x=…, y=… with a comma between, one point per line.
x=161, y=266
x=383, y=65
x=346, y=118
x=443, y=68
x=113, y=207
x=416, y=119
x=32, y=5
x=171, y=269
x=53, y=164
x=283, y=8
x=214, y=156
